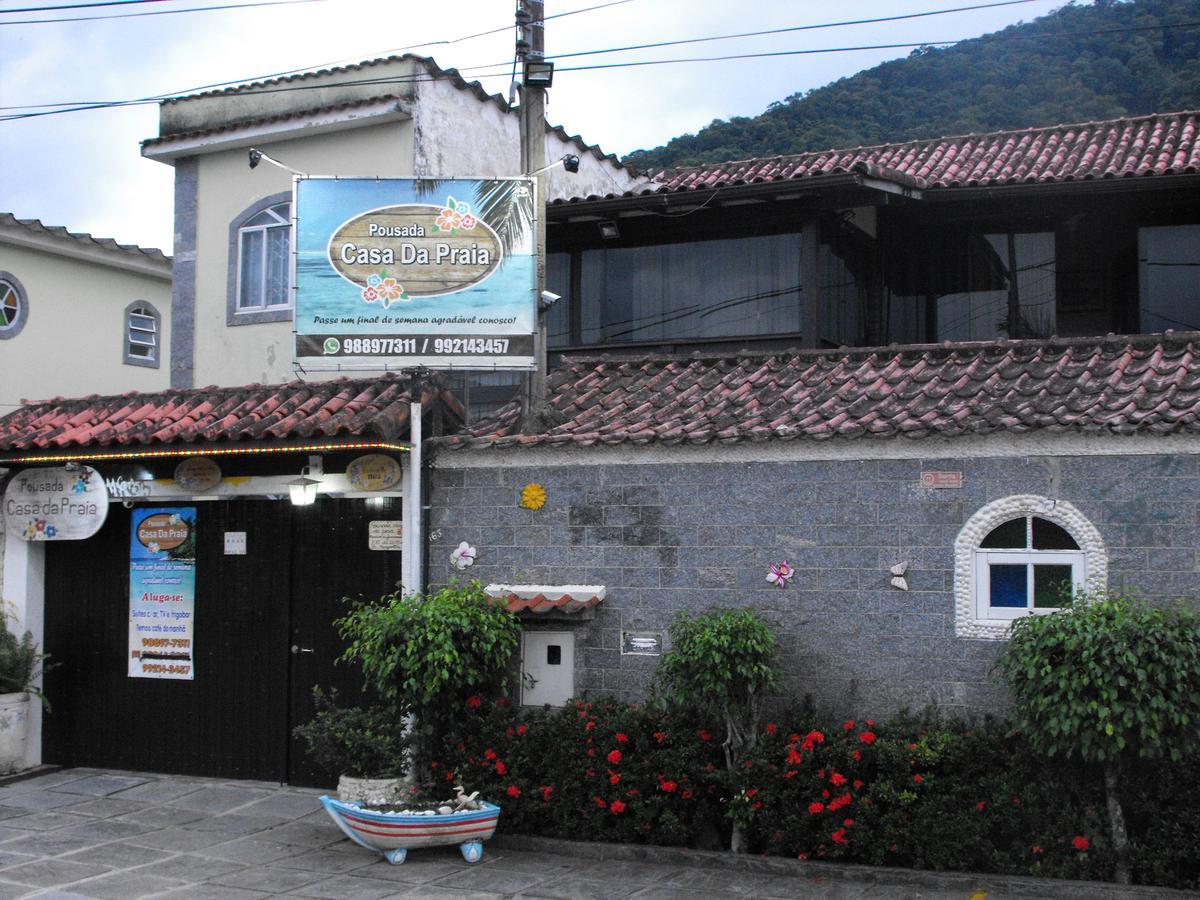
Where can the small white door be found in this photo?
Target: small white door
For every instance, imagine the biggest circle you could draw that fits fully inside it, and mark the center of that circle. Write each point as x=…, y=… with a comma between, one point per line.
x=547, y=668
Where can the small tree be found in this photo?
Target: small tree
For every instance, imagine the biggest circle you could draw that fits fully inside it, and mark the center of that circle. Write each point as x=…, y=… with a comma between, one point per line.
x=723, y=663
x=428, y=653
x=1108, y=681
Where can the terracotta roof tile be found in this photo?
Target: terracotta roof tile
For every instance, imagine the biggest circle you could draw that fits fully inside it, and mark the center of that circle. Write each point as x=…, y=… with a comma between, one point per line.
x=1157, y=144
x=299, y=409
x=1122, y=385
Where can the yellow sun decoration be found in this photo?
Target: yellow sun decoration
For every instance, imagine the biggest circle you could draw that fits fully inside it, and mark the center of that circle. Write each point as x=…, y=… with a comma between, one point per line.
x=533, y=496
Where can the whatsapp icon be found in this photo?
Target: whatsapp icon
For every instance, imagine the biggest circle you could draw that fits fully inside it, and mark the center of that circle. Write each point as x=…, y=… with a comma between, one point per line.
x=332, y=345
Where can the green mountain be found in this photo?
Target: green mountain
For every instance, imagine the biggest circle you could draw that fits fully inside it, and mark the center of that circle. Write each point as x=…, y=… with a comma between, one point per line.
x=1079, y=63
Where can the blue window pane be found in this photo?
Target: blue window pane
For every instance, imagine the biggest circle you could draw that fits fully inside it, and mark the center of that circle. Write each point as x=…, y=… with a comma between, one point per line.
x=1009, y=588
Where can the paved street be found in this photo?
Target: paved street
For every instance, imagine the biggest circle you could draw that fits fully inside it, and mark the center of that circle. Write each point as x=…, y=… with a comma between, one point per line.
x=90, y=833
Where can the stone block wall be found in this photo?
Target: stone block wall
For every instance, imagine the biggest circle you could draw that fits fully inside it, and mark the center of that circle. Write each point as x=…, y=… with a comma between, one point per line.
x=687, y=536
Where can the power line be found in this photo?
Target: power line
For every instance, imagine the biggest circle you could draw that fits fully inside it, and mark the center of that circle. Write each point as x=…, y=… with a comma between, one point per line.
x=793, y=28
x=161, y=12
x=600, y=66
x=84, y=5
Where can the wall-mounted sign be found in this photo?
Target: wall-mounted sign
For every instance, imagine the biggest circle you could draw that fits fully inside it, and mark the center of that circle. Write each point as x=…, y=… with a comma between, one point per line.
x=941, y=479
x=641, y=643
x=55, y=504
x=438, y=272
x=198, y=474
x=385, y=535
x=235, y=543
x=375, y=472
x=162, y=592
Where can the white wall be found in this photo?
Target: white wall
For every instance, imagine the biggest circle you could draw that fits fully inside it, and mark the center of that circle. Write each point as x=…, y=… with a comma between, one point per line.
x=226, y=186
x=73, y=342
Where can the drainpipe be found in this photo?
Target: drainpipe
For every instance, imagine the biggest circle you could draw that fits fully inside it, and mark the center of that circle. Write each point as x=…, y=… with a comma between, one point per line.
x=413, y=528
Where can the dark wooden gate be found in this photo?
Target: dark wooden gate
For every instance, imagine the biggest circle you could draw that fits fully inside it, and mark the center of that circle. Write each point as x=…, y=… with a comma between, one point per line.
x=234, y=719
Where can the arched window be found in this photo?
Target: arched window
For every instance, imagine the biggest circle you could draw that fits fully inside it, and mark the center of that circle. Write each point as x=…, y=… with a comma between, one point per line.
x=263, y=243
x=143, y=334
x=1022, y=555
x=14, y=306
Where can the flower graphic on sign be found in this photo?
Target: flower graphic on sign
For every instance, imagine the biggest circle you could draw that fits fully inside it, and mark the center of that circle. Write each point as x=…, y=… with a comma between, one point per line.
x=780, y=574
x=390, y=291
x=463, y=556
x=455, y=215
x=373, y=280
x=370, y=294
x=533, y=496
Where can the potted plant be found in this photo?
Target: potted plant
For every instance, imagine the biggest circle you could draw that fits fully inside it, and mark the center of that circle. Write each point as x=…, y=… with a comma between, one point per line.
x=367, y=747
x=20, y=666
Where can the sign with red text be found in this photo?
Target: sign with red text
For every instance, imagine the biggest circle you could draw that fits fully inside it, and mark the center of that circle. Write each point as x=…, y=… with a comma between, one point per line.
x=162, y=592
x=941, y=479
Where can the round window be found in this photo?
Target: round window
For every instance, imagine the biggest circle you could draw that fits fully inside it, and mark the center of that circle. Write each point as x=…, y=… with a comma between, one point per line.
x=14, y=307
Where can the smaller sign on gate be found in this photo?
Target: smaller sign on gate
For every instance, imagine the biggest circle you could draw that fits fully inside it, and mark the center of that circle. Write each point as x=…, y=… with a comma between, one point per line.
x=385, y=535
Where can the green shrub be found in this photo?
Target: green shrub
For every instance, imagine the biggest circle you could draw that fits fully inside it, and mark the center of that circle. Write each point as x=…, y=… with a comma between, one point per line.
x=1108, y=681
x=20, y=663
x=431, y=654
x=362, y=743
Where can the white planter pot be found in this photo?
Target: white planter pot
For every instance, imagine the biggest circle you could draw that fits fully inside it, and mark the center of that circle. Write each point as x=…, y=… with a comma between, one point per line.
x=369, y=791
x=14, y=730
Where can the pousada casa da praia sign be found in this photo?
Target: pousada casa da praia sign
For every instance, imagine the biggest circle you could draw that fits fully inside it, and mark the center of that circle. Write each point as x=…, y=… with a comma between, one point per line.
x=55, y=504
x=404, y=272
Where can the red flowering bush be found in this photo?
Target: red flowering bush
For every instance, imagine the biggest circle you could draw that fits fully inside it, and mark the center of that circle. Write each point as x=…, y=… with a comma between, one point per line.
x=599, y=771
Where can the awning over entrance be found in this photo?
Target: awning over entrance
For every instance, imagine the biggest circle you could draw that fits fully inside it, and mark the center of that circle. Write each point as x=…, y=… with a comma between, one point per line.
x=301, y=416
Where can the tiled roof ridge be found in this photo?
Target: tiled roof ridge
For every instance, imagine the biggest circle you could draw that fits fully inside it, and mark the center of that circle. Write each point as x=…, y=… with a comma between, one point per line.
x=453, y=74
x=278, y=117
x=1166, y=338
x=37, y=226
x=191, y=392
x=912, y=142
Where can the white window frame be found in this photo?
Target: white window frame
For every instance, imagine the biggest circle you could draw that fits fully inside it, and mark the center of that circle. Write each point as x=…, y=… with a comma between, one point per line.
x=973, y=615
x=283, y=220
x=1029, y=558
x=141, y=321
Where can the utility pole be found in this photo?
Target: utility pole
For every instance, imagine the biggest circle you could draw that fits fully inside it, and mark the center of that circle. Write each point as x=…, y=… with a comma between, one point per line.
x=531, y=47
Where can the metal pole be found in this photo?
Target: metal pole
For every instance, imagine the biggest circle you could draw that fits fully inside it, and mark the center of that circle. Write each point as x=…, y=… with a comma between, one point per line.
x=532, y=121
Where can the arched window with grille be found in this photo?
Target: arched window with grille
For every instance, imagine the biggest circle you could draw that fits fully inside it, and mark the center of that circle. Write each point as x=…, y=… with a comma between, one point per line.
x=1023, y=555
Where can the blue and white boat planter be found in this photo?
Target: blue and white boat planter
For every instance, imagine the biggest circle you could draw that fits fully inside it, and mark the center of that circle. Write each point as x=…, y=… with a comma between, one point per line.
x=393, y=834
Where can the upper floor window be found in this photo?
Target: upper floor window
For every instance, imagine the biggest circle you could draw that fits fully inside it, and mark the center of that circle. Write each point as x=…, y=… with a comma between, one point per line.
x=14, y=306
x=142, y=334
x=263, y=243
x=1169, y=260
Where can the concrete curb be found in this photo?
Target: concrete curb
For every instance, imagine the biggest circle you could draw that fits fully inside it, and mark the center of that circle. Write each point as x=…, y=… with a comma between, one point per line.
x=1013, y=885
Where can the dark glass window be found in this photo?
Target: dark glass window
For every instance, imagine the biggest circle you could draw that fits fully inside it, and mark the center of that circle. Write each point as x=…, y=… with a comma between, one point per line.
x=558, y=281
x=1048, y=536
x=701, y=289
x=1169, y=264
x=973, y=287
x=1010, y=535
x=1009, y=585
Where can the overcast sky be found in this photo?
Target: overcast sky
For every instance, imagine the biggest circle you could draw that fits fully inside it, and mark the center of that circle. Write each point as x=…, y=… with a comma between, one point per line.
x=84, y=169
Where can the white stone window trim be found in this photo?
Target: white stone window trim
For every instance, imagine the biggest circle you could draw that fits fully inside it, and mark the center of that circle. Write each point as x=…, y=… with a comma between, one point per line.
x=968, y=623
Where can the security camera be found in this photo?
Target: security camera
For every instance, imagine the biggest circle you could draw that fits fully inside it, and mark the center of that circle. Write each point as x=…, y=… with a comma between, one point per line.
x=128, y=504
x=255, y=157
x=548, y=299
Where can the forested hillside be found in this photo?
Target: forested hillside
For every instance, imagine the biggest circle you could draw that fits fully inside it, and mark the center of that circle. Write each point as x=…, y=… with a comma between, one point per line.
x=1079, y=63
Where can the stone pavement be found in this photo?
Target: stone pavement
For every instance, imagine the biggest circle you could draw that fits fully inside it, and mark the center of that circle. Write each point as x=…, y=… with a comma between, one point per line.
x=123, y=835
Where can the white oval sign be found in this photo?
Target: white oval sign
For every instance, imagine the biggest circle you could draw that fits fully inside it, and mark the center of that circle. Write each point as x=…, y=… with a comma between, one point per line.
x=56, y=504
x=396, y=253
